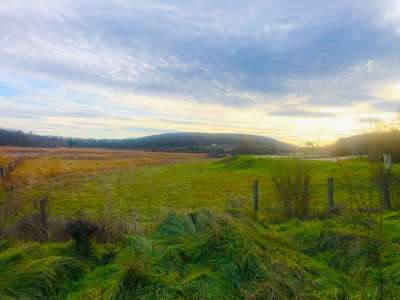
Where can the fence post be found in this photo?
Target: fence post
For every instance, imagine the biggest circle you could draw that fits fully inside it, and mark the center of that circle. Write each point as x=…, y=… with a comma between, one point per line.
x=387, y=161
x=331, y=205
x=43, y=214
x=386, y=194
x=2, y=175
x=255, y=195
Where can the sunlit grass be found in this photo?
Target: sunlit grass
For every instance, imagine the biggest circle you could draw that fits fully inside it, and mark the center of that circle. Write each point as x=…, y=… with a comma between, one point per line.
x=153, y=191
x=188, y=252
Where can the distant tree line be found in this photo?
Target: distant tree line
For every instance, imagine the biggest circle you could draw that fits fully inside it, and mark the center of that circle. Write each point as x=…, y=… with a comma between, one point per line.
x=22, y=139
x=371, y=144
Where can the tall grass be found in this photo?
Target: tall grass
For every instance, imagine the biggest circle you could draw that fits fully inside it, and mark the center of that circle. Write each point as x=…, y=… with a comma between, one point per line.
x=45, y=278
x=207, y=255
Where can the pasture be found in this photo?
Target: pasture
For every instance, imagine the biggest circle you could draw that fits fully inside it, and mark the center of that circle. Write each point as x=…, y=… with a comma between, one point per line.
x=154, y=184
x=192, y=231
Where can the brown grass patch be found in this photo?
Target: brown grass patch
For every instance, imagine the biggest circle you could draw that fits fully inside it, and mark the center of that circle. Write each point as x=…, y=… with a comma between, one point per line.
x=45, y=163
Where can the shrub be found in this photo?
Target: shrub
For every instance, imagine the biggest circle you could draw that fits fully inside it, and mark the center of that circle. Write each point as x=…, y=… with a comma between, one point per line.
x=292, y=182
x=81, y=232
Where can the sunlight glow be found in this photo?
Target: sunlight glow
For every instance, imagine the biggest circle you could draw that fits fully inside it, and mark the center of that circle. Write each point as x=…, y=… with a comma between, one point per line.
x=389, y=91
x=135, y=68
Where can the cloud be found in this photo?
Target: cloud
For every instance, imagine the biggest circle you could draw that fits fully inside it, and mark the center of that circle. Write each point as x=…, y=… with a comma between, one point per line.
x=371, y=121
x=203, y=65
x=303, y=113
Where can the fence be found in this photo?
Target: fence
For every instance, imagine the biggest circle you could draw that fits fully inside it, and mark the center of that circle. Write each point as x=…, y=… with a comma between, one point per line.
x=6, y=170
x=331, y=207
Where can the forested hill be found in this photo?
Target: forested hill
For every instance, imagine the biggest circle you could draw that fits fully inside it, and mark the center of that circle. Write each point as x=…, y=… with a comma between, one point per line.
x=187, y=142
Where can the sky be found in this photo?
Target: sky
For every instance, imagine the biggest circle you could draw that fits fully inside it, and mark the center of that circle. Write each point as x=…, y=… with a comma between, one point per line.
x=297, y=71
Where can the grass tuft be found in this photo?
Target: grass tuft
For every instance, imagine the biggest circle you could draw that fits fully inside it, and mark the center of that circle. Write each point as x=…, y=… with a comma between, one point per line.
x=46, y=278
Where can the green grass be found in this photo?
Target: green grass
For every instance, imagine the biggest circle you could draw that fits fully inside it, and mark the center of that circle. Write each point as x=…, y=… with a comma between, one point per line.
x=211, y=255
x=197, y=248
x=154, y=191
x=34, y=271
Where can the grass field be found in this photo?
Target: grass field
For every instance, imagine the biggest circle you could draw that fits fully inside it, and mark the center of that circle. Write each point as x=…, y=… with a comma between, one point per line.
x=199, y=238
x=45, y=170
x=154, y=184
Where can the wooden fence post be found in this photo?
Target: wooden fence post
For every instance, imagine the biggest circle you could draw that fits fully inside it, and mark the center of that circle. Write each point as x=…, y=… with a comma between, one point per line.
x=386, y=195
x=255, y=195
x=387, y=161
x=42, y=214
x=2, y=173
x=331, y=205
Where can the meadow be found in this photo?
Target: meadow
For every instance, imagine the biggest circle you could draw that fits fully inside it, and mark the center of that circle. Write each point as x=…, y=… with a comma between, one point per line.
x=195, y=235
x=152, y=185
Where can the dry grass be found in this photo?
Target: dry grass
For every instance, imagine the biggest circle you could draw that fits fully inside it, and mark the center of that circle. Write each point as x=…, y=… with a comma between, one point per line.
x=89, y=153
x=4, y=159
x=44, y=163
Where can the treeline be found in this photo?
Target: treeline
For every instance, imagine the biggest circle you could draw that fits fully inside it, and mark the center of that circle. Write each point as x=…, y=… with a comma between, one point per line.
x=22, y=139
x=371, y=144
x=19, y=138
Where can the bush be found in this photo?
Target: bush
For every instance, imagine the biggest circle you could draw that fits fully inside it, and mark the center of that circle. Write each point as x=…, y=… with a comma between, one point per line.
x=292, y=182
x=81, y=232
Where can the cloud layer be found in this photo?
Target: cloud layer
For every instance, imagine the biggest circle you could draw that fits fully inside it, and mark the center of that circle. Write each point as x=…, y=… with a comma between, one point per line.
x=293, y=70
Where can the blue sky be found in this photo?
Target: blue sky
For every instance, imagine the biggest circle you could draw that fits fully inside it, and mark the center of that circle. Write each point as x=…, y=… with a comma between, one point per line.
x=293, y=70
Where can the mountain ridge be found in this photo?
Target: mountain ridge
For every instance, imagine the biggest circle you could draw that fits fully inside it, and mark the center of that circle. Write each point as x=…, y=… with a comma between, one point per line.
x=184, y=141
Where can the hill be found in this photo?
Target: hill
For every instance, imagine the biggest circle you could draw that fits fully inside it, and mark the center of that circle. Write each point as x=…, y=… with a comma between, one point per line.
x=186, y=142
x=203, y=141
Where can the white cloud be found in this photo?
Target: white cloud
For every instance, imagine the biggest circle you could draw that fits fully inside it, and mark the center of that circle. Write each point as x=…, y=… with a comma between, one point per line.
x=277, y=68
